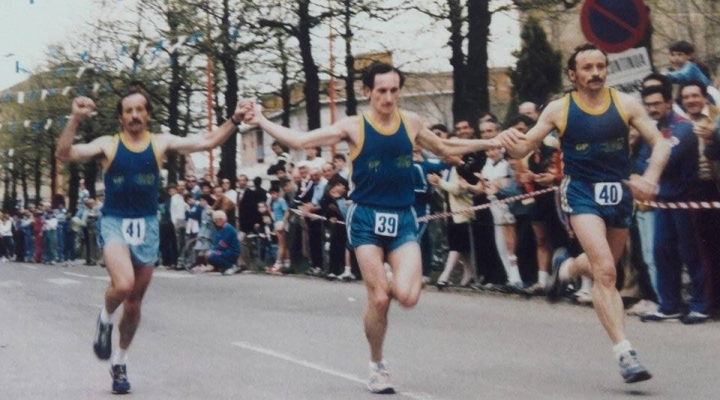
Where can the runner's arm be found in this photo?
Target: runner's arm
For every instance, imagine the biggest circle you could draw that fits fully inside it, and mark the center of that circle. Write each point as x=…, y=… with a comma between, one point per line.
x=210, y=140
x=442, y=147
x=518, y=145
x=325, y=136
x=65, y=149
x=652, y=136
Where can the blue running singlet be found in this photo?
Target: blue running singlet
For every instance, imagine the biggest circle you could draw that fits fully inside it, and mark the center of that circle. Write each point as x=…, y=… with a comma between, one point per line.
x=382, y=165
x=594, y=143
x=132, y=179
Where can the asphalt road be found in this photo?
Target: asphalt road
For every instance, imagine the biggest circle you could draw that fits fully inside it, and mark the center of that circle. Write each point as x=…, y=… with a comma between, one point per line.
x=267, y=337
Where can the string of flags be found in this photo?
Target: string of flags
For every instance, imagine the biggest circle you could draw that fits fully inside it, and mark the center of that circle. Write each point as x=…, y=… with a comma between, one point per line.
x=35, y=125
x=153, y=49
x=43, y=94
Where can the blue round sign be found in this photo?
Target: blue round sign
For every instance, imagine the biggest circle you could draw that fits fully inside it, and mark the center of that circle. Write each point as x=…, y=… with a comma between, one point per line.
x=614, y=25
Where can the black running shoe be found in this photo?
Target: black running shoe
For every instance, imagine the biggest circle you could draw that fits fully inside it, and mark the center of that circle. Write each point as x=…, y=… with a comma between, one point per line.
x=120, y=385
x=103, y=340
x=555, y=286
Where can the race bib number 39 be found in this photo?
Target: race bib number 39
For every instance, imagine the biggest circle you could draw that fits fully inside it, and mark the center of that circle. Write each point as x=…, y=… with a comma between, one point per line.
x=386, y=224
x=608, y=193
x=133, y=230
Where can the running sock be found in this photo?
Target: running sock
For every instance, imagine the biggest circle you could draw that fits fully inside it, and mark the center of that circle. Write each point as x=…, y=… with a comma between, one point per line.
x=286, y=264
x=543, y=278
x=378, y=366
x=564, y=273
x=586, y=284
x=621, y=348
x=105, y=318
x=348, y=270
x=120, y=357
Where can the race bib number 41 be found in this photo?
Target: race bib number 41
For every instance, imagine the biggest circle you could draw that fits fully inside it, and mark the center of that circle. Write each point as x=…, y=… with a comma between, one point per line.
x=133, y=230
x=608, y=193
x=386, y=224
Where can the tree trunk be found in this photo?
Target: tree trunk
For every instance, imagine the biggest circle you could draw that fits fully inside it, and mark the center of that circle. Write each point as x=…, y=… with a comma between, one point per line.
x=73, y=185
x=173, y=102
x=53, y=170
x=312, y=80
x=38, y=179
x=90, y=173
x=350, y=99
x=6, y=203
x=285, y=91
x=476, y=93
x=457, y=59
x=24, y=185
x=228, y=162
x=13, y=184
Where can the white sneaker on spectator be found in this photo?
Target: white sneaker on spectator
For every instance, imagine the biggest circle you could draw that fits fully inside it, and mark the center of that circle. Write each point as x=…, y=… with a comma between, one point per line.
x=642, y=307
x=230, y=271
x=379, y=382
x=347, y=275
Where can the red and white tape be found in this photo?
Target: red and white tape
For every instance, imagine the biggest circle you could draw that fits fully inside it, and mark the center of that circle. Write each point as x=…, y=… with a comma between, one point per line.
x=683, y=205
x=447, y=214
x=487, y=205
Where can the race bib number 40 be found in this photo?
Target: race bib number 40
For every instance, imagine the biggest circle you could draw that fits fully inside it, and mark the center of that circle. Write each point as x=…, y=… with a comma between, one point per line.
x=386, y=224
x=133, y=230
x=608, y=193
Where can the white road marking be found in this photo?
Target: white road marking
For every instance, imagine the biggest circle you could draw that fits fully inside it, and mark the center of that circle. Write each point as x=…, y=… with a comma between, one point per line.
x=63, y=281
x=173, y=275
x=29, y=266
x=323, y=369
x=77, y=275
x=102, y=278
x=9, y=284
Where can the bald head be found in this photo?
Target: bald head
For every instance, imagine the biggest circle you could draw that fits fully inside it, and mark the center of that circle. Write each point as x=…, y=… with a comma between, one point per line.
x=489, y=129
x=530, y=109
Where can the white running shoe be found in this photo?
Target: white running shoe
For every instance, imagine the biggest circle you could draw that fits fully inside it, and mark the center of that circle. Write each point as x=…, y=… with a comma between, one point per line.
x=347, y=275
x=379, y=382
x=583, y=297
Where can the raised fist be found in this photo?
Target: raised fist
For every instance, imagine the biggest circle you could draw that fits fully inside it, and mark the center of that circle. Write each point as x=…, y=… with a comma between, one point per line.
x=82, y=106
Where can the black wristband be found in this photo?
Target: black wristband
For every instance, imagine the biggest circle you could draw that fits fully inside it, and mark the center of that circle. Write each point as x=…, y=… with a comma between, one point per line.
x=232, y=119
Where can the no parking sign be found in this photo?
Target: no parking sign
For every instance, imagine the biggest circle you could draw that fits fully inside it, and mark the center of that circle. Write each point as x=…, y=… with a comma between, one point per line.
x=614, y=25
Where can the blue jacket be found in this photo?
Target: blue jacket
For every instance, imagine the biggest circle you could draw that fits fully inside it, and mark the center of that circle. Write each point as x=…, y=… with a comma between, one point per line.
x=226, y=244
x=687, y=73
x=423, y=190
x=680, y=177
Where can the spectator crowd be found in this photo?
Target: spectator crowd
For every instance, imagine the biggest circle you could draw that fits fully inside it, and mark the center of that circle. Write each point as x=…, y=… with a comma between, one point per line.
x=504, y=247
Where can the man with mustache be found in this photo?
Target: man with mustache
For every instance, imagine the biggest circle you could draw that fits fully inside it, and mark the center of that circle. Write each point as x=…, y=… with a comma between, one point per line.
x=675, y=243
x=129, y=228
x=704, y=116
x=597, y=189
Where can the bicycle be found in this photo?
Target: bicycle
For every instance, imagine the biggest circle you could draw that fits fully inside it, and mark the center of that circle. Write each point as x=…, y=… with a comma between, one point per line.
x=188, y=256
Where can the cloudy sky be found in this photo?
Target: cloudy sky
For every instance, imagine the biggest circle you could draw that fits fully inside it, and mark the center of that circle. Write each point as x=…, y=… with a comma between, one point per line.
x=28, y=27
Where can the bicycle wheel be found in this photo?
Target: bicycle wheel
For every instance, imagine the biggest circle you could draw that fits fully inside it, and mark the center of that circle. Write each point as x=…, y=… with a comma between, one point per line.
x=188, y=256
